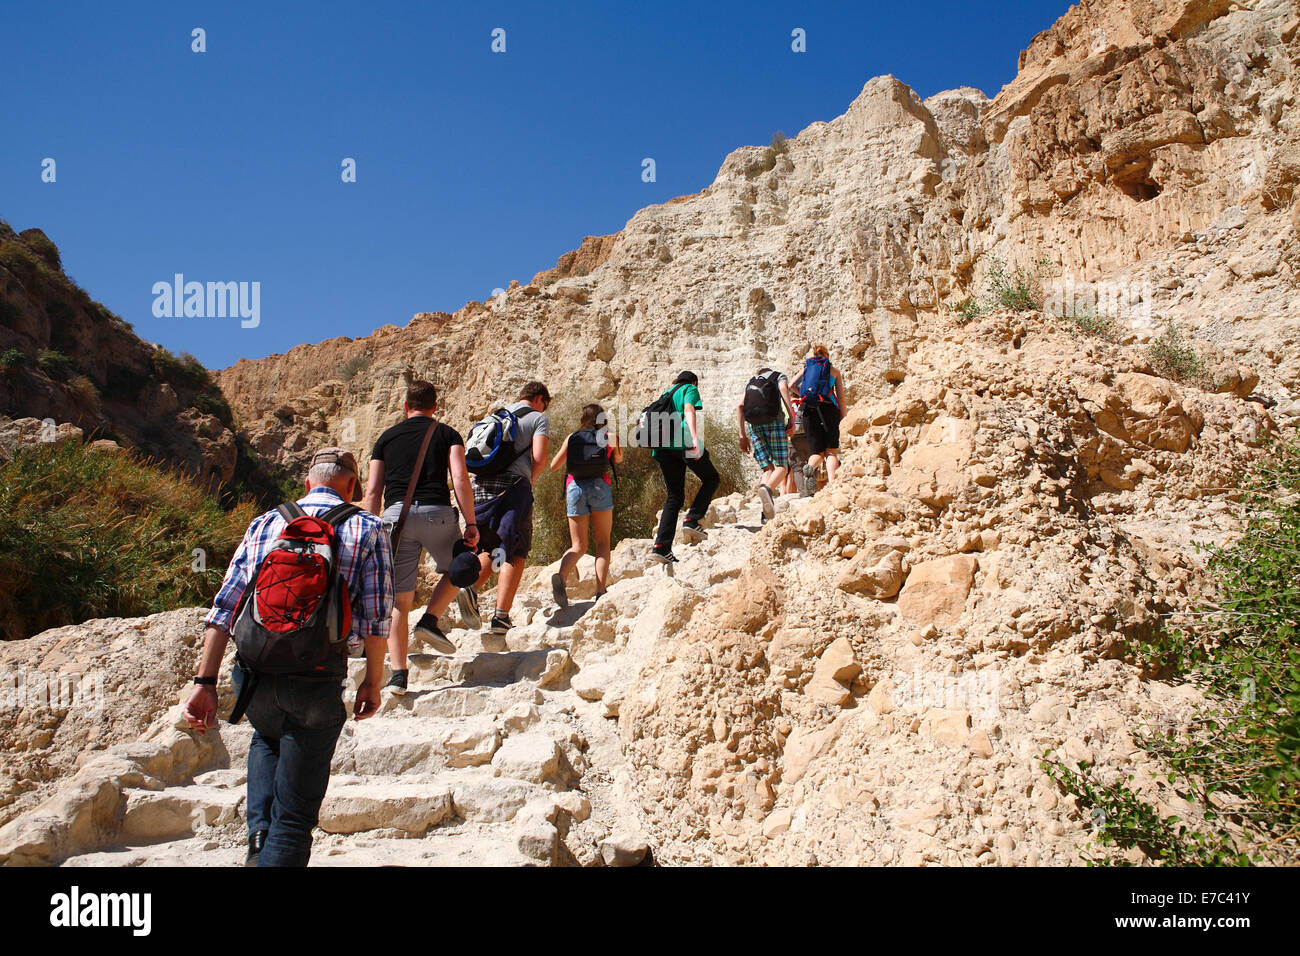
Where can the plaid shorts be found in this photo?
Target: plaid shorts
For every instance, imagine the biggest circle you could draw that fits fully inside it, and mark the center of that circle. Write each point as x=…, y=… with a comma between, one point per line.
x=771, y=444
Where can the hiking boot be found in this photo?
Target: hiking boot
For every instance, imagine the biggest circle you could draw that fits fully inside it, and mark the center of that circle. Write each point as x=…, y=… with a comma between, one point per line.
x=500, y=623
x=397, y=683
x=428, y=629
x=810, y=480
x=256, y=841
x=558, y=589
x=662, y=557
x=691, y=531
x=765, y=499
x=467, y=601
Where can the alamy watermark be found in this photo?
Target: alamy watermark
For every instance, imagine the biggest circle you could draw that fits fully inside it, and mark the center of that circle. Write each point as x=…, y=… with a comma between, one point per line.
x=974, y=691
x=1127, y=302
x=212, y=300
x=38, y=691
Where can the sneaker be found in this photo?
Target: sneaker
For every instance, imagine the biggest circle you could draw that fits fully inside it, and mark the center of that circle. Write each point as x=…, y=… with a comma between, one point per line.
x=427, y=628
x=810, y=479
x=765, y=499
x=467, y=601
x=500, y=623
x=692, y=531
x=558, y=589
x=397, y=683
x=662, y=557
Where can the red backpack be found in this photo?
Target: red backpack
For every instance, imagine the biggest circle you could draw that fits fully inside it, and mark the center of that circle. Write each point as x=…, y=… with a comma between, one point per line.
x=296, y=613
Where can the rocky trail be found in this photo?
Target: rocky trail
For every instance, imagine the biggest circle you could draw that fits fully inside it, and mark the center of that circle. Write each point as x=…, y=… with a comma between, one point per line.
x=502, y=754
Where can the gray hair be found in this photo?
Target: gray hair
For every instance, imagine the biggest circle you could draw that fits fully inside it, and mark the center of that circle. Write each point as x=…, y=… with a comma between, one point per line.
x=326, y=473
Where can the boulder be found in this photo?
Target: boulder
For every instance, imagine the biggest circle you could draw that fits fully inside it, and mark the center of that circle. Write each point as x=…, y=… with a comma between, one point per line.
x=936, y=591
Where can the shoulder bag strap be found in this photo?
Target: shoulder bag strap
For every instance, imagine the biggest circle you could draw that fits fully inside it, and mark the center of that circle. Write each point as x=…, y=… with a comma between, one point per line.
x=416, y=472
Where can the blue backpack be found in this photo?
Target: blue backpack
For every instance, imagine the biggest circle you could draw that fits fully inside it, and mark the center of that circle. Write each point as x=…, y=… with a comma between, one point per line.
x=490, y=445
x=815, y=386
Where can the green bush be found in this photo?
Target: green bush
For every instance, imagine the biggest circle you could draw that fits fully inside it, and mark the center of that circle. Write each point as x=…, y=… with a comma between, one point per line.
x=213, y=403
x=349, y=369
x=1240, y=760
x=1017, y=289
x=1175, y=358
x=85, y=535
x=12, y=362
x=184, y=370
x=54, y=363
x=22, y=265
x=43, y=246
x=967, y=310
x=1091, y=323
x=84, y=391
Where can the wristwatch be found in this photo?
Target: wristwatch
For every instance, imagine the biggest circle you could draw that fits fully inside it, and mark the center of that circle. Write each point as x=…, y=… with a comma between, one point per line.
x=206, y=681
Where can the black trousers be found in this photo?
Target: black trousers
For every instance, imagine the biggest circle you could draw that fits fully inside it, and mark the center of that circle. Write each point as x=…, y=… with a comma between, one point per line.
x=673, y=464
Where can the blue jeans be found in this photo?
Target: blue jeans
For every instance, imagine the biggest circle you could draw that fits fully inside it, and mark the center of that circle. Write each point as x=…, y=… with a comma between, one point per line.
x=582, y=496
x=296, y=723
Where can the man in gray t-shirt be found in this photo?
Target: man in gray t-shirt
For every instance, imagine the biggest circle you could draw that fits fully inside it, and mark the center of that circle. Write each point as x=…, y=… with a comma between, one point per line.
x=503, y=504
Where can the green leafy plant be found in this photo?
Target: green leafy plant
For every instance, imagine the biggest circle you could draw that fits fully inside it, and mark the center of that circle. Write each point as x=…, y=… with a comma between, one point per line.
x=1016, y=288
x=1092, y=324
x=353, y=366
x=967, y=310
x=1175, y=358
x=1239, y=761
x=12, y=362
x=54, y=363
x=85, y=535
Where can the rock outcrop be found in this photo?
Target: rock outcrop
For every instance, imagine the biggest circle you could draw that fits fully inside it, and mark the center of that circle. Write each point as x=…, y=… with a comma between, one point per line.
x=1142, y=162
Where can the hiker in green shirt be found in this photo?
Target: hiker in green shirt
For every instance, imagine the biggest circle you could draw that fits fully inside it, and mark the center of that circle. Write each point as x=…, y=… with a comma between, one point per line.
x=677, y=451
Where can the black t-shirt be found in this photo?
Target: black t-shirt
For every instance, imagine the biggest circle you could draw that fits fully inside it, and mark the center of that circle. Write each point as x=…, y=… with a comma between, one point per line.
x=398, y=448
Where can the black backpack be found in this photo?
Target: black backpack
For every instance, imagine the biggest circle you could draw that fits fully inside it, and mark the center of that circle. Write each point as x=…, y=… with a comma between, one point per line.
x=585, y=456
x=659, y=421
x=762, y=403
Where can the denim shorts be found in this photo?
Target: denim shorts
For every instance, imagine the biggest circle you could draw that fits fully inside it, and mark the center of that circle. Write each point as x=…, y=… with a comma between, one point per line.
x=582, y=496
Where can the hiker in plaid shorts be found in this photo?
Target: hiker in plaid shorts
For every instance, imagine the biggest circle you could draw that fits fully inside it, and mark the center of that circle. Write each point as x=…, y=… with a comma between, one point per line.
x=766, y=419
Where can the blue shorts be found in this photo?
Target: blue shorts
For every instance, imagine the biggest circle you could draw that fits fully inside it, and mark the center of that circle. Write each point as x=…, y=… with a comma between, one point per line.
x=582, y=496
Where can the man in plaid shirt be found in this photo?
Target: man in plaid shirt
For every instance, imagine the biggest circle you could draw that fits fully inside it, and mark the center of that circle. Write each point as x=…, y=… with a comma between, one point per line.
x=297, y=718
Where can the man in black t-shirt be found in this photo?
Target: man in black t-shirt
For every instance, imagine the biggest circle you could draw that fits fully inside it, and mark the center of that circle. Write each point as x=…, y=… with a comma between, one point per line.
x=431, y=524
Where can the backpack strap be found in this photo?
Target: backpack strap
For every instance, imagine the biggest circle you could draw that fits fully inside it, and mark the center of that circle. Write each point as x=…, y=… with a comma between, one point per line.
x=290, y=510
x=339, y=514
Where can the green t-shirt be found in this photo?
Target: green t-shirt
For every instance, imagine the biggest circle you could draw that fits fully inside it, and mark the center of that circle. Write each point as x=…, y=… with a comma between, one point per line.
x=680, y=439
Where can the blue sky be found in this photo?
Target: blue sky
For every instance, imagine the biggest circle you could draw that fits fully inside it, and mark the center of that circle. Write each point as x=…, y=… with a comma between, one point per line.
x=473, y=167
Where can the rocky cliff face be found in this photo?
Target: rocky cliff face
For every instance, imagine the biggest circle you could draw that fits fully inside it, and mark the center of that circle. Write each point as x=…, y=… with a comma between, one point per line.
x=69, y=359
x=875, y=675
x=1144, y=156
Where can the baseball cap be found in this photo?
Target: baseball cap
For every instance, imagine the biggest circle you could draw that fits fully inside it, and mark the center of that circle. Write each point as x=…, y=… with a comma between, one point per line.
x=464, y=568
x=337, y=456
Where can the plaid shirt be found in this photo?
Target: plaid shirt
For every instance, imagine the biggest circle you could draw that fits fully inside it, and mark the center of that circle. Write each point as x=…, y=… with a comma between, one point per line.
x=487, y=487
x=365, y=560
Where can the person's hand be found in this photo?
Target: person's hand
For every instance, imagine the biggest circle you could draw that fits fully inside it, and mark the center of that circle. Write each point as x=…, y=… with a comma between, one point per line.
x=744, y=444
x=471, y=536
x=843, y=412
x=694, y=451
x=201, y=708
x=789, y=428
x=368, y=700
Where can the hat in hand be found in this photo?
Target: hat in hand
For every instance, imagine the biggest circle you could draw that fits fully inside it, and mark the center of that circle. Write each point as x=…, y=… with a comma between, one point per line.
x=464, y=569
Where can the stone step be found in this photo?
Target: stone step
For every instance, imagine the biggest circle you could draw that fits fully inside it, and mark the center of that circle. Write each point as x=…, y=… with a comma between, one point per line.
x=156, y=815
x=410, y=807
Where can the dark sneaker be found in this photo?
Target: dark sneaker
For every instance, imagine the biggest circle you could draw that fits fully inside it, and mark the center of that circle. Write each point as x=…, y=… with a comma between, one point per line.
x=765, y=499
x=691, y=531
x=500, y=623
x=662, y=557
x=397, y=683
x=256, y=841
x=558, y=589
x=467, y=601
x=427, y=628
